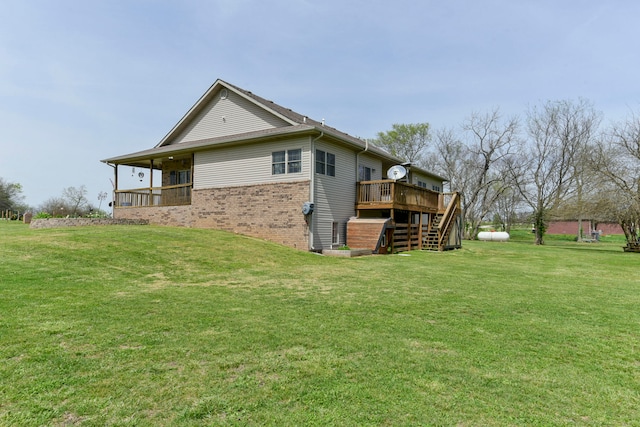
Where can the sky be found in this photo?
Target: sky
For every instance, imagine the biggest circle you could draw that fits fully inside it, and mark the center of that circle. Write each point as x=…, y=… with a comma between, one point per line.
x=85, y=80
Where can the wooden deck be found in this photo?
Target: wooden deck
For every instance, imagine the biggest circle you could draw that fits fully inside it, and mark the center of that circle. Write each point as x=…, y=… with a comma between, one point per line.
x=403, y=203
x=388, y=194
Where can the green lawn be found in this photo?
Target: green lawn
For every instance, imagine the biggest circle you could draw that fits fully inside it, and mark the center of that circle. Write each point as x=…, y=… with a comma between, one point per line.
x=152, y=326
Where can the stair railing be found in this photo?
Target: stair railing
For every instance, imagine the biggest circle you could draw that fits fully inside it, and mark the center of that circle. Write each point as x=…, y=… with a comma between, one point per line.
x=447, y=219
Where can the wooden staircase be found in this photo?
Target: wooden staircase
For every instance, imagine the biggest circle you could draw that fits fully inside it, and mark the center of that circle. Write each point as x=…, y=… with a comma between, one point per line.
x=436, y=235
x=430, y=237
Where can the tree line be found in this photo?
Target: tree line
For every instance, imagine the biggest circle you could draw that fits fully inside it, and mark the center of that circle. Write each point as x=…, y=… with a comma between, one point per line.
x=73, y=202
x=557, y=161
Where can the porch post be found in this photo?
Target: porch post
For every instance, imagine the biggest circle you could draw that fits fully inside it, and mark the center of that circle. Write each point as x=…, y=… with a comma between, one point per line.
x=193, y=160
x=114, y=196
x=151, y=182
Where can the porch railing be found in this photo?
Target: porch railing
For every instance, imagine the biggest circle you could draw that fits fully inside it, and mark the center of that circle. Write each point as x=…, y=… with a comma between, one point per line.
x=172, y=195
x=387, y=194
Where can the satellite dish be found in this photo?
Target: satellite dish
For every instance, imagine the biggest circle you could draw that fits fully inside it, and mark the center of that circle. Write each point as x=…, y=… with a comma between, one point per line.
x=396, y=172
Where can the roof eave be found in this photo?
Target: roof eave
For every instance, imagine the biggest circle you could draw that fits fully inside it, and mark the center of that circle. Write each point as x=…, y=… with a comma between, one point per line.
x=205, y=144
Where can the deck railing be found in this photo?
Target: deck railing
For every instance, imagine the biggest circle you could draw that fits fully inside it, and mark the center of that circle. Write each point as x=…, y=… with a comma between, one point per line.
x=387, y=194
x=446, y=223
x=172, y=195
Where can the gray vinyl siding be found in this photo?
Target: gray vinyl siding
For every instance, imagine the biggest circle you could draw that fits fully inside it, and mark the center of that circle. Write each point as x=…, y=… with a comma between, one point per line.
x=334, y=196
x=230, y=116
x=415, y=177
x=247, y=164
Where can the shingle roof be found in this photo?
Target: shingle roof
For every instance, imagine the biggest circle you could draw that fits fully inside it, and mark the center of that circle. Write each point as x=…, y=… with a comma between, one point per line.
x=300, y=124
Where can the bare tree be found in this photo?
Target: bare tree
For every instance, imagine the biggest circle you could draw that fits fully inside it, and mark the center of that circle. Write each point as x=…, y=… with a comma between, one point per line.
x=617, y=158
x=449, y=159
x=558, y=132
x=101, y=196
x=76, y=199
x=506, y=206
x=477, y=168
x=582, y=203
x=55, y=206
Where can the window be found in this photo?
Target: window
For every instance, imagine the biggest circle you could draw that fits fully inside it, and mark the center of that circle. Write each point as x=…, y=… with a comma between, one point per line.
x=364, y=173
x=325, y=163
x=278, y=162
x=294, y=161
x=289, y=161
x=179, y=177
x=335, y=233
x=435, y=187
x=422, y=184
x=321, y=160
x=331, y=164
x=177, y=195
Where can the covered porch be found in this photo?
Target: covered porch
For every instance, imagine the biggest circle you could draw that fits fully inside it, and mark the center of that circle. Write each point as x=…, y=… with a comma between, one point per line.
x=165, y=181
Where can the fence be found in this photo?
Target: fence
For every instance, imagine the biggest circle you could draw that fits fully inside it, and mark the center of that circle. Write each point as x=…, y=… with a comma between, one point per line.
x=9, y=214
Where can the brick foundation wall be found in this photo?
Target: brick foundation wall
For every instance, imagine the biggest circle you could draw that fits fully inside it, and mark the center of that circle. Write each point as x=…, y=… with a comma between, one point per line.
x=78, y=222
x=268, y=211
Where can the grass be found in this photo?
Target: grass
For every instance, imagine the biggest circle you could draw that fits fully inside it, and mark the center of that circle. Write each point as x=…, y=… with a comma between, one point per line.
x=152, y=326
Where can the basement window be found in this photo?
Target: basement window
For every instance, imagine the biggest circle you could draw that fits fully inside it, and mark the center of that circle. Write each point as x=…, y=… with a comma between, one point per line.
x=335, y=233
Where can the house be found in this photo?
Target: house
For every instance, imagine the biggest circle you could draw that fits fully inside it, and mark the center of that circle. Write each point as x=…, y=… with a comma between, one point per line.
x=588, y=227
x=241, y=163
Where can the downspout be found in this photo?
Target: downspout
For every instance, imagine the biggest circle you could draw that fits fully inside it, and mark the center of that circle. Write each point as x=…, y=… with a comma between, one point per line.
x=366, y=148
x=312, y=187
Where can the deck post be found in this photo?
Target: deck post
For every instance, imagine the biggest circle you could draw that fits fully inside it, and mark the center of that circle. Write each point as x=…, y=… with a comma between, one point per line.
x=420, y=230
x=409, y=230
x=393, y=193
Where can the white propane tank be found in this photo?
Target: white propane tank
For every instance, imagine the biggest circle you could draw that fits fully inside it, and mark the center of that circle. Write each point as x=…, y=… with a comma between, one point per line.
x=494, y=236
